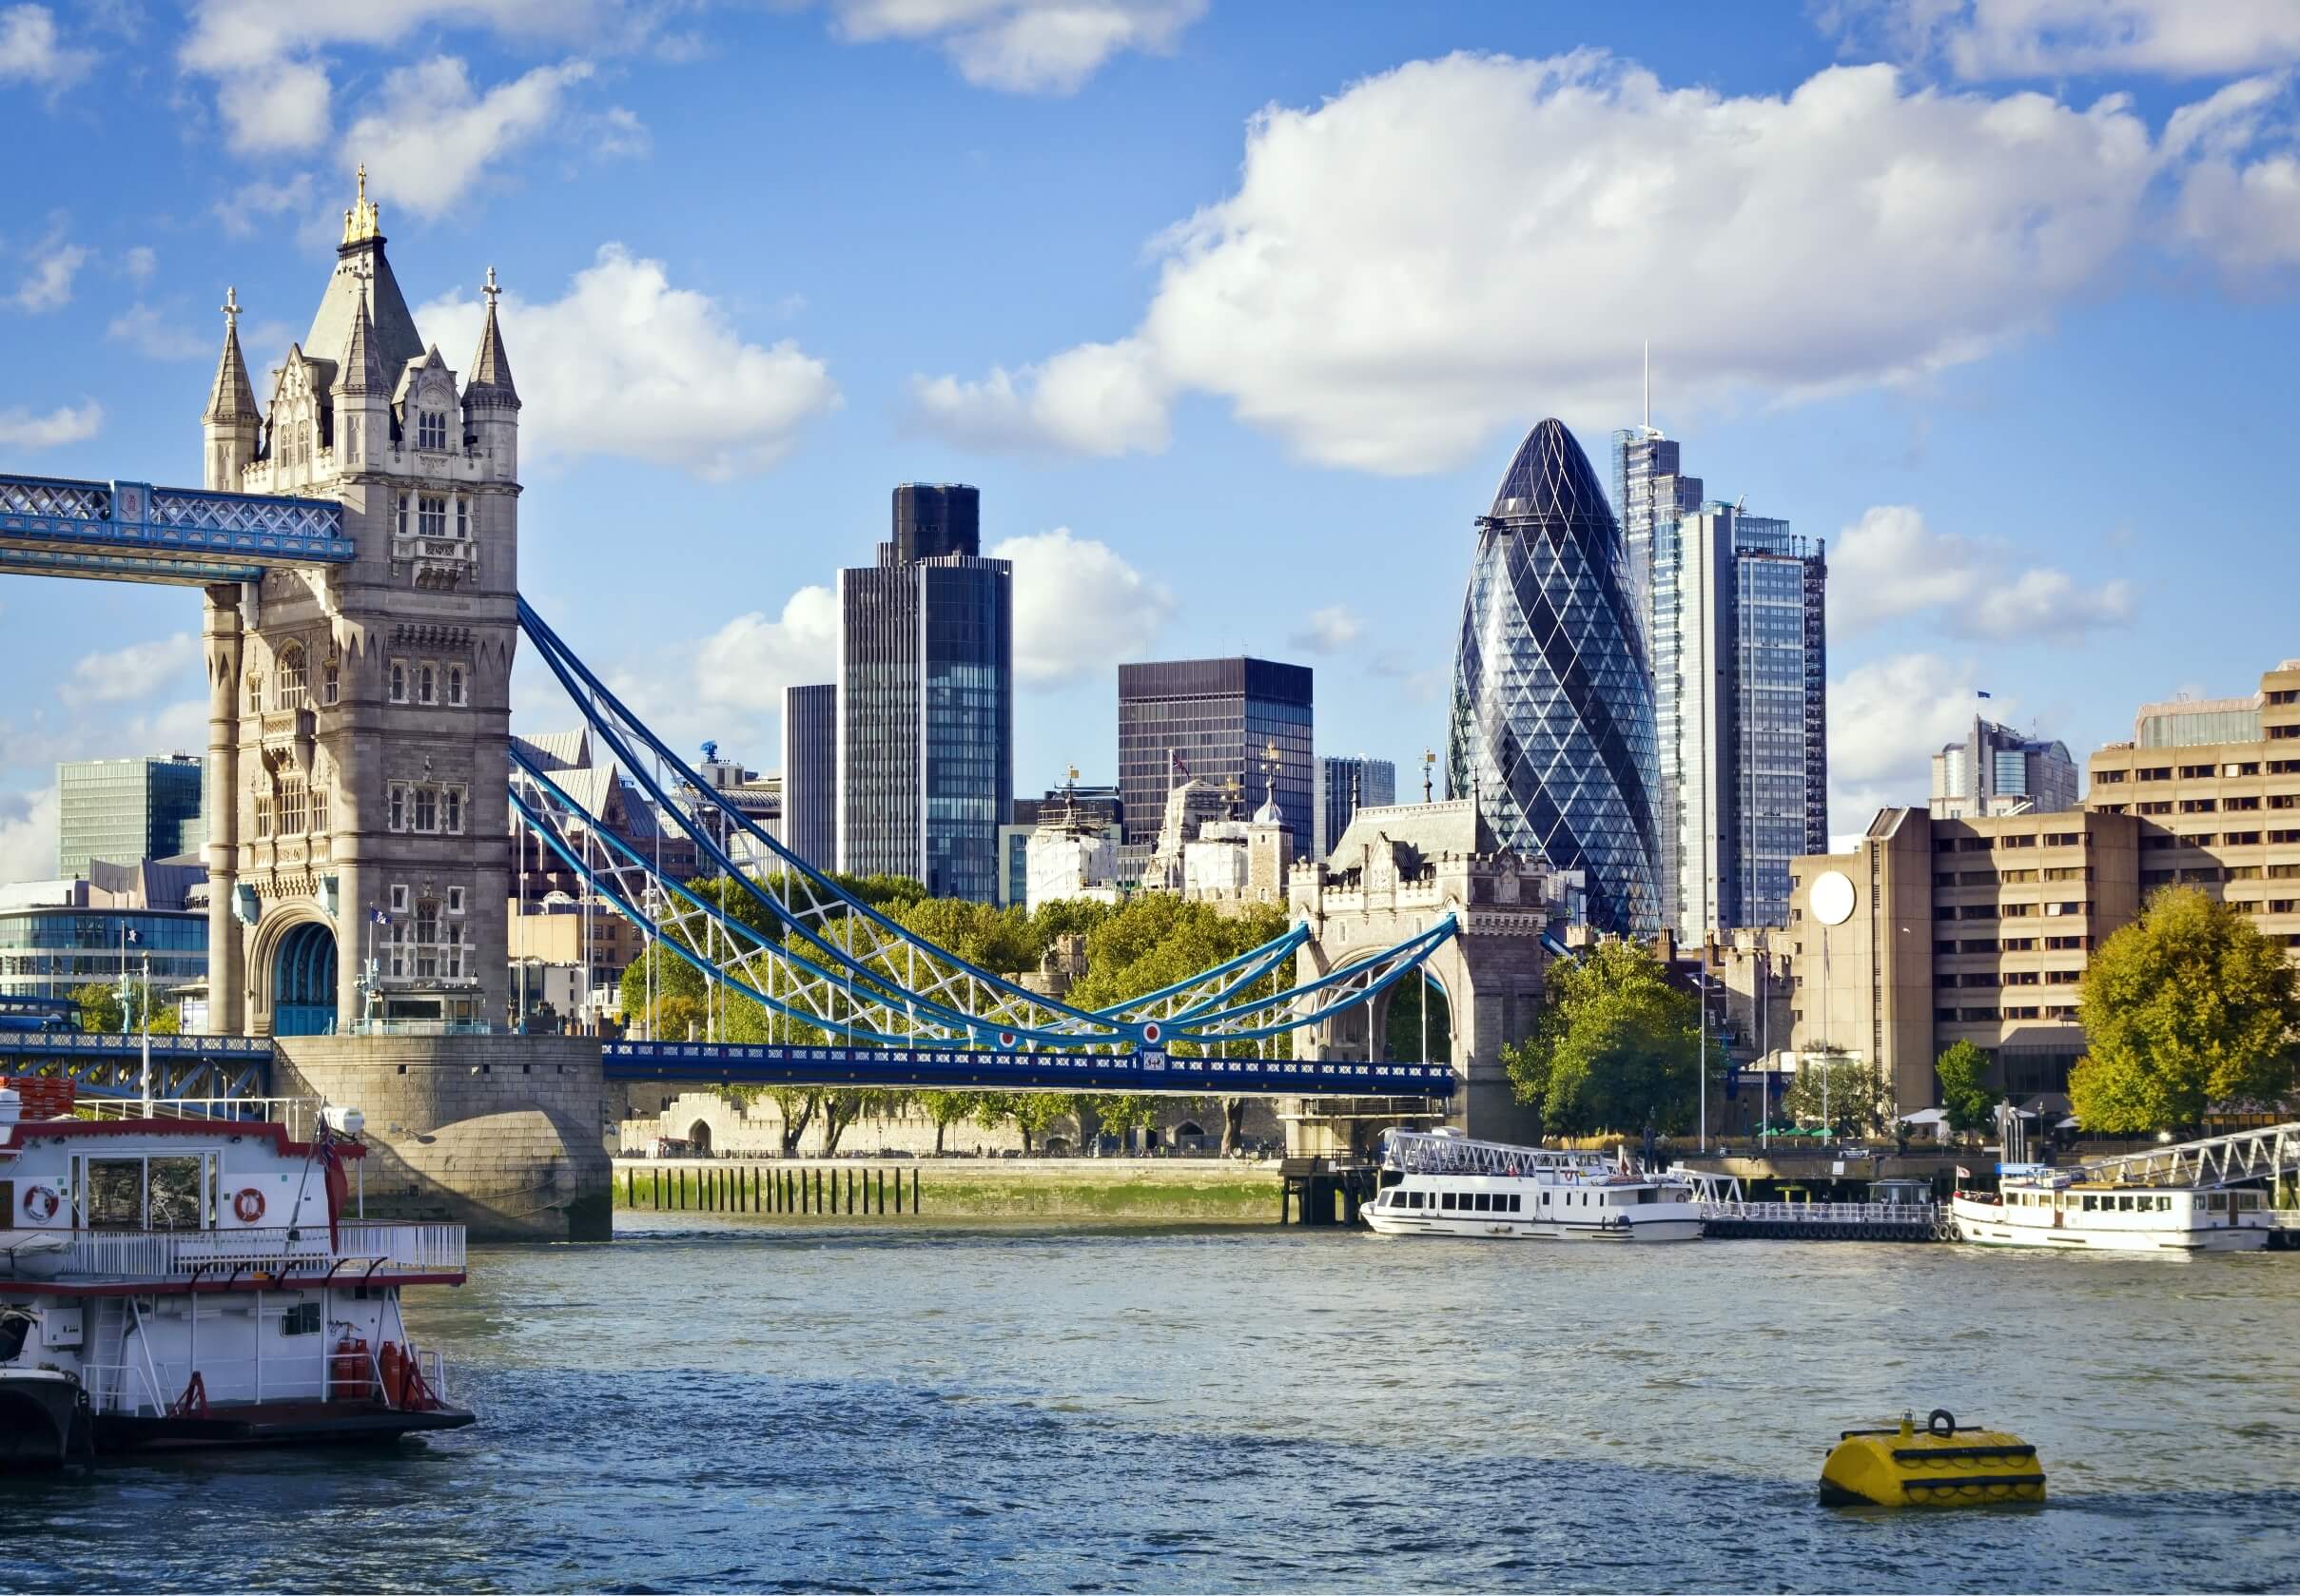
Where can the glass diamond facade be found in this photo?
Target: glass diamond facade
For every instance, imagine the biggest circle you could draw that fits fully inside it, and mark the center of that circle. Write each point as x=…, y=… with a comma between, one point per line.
x=1552, y=713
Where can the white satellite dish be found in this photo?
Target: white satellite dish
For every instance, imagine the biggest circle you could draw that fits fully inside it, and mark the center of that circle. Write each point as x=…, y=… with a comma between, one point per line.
x=1832, y=898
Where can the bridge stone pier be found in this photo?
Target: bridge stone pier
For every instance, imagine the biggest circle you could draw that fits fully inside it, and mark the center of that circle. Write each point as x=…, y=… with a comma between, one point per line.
x=1396, y=871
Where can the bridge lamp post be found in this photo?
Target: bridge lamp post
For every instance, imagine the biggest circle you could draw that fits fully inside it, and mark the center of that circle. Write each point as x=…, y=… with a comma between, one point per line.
x=147, y=1035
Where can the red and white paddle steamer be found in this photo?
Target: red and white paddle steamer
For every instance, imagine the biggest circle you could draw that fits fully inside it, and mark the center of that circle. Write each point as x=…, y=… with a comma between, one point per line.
x=187, y=1281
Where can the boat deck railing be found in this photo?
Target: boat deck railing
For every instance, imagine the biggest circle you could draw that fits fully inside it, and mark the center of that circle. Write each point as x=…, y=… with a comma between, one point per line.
x=1824, y=1213
x=364, y=1251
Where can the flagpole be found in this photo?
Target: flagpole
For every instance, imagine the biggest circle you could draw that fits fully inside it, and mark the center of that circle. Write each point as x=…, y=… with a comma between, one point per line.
x=148, y=1036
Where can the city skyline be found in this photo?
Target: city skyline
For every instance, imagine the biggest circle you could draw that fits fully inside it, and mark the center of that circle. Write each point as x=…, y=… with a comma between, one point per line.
x=831, y=378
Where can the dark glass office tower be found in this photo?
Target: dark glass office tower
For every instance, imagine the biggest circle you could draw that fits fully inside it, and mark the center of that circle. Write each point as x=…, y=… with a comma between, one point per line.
x=125, y=810
x=1552, y=714
x=810, y=773
x=1211, y=720
x=925, y=700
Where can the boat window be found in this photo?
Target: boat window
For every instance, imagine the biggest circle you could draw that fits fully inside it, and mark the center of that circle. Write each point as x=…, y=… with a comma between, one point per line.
x=1413, y=1199
x=176, y=1195
x=1445, y=1200
x=1484, y=1202
x=14, y=1326
x=302, y=1319
x=1517, y=1201
x=115, y=1194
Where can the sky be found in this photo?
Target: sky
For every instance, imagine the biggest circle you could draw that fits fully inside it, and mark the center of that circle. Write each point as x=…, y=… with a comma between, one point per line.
x=1234, y=310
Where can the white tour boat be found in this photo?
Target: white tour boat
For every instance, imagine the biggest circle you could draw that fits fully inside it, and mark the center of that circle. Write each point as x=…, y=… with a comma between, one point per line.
x=171, y=1281
x=1450, y=1185
x=2047, y=1209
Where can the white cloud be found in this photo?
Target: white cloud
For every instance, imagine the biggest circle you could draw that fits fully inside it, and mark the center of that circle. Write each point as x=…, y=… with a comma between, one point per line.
x=1098, y=399
x=1443, y=251
x=271, y=107
x=1078, y=607
x=1328, y=631
x=1886, y=720
x=2058, y=38
x=748, y=663
x=67, y=423
x=433, y=134
x=2237, y=203
x=122, y=675
x=142, y=329
x=625, y=364
x=1890, y=563
x=49, y=285
x=28, y=835
x=261, y=198
x=140, y=263
x=1025, y=45
x=31, y=52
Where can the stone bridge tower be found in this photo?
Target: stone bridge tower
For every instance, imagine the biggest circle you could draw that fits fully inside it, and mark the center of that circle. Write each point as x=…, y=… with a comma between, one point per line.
x=359, y=716
x=1396, y=871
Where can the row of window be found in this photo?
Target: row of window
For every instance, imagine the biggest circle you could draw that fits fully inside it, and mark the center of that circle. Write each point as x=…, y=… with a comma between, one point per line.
x=2004, y=945
x=2011, y=911
x=2204, y=772
x=430, y=512
x=424, y=681
x=2015, y=878
x=425, y=939
x=293, y=811
x=290, y=685
x=1984, y=1016
x=424, y=806
x=2010, y=839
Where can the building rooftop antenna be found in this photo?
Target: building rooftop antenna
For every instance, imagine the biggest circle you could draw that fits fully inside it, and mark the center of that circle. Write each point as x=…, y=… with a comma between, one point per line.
x=1648, y=343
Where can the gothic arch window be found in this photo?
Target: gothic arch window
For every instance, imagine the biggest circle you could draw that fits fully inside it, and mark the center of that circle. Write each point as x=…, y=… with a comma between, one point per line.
x=399, y=681
x=458, y=687
x=331, y=681
x=427, y=683
x=431, y=429
x=288, y=691
x=255, y=690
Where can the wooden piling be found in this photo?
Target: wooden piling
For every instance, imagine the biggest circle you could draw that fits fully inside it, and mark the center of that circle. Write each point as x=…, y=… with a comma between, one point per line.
x=914, y=1192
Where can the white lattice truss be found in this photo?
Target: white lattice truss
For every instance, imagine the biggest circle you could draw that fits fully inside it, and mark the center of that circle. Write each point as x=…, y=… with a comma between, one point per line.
x=2271, y=1153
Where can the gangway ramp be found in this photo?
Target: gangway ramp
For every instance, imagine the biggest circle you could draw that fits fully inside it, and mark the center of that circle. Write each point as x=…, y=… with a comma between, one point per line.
x=2270, y=1153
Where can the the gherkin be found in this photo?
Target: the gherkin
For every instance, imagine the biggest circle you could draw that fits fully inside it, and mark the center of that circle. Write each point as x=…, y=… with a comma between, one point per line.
x=1553, y=715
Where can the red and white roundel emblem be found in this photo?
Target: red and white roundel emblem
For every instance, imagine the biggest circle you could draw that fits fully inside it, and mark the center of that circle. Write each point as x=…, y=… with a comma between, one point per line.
x=1007, y=1039
x=1152, y=1031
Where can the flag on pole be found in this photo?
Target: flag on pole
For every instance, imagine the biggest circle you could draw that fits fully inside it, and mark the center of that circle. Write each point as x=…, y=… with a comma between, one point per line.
x=1964, y=1174
x=1980, y=693
x=131, y=934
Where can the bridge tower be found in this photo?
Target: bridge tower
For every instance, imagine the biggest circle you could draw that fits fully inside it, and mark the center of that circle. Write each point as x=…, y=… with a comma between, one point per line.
x=1398, y=871
x=359, y=714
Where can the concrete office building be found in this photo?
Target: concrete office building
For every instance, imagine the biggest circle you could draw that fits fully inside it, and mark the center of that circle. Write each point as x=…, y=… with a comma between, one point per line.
x=1979, y=929
x=125, y=810
x=810, y=773
x=1345, y=786
x=925, y=700
x=1998, y=770
x=1737, y=624
x=1214, y=721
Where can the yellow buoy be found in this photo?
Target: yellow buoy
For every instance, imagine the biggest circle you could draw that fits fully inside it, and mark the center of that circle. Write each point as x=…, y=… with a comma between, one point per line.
x=1941, y=1465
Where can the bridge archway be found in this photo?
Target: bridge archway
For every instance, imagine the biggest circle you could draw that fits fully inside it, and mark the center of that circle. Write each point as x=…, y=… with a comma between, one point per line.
x=304, y=981
x=698, y=1135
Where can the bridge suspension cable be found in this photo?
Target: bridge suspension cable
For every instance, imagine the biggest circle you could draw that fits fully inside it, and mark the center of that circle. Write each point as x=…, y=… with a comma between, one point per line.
x=820, y=957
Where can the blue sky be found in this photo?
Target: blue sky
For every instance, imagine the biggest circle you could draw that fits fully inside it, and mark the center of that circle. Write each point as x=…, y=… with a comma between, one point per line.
x=1233, y=311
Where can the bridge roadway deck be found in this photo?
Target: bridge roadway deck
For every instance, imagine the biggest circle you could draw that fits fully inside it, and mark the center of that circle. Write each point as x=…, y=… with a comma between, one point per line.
x=241, y=1066
x=133, y=532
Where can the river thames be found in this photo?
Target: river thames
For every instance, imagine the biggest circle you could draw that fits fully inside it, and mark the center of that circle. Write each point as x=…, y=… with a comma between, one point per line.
x=742, y=1405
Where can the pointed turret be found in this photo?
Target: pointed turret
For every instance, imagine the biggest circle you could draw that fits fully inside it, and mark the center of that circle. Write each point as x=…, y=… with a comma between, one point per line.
x=363, y=397
x=231, y=422
x=364, y=277
x=491, y=402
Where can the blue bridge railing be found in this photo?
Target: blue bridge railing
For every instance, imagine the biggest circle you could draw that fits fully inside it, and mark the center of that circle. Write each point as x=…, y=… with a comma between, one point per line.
x=134, y=532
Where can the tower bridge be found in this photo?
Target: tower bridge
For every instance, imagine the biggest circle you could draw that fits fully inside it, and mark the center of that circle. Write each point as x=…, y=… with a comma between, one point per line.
x=355, y=538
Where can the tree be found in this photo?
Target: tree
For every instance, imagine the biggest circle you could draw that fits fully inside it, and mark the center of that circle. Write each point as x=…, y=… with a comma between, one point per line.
x=1615, y=1046
x=2186, y=1007
x=1845, y=1093
x=946, y=1109
x=100, y=1010
x=1964, y=1090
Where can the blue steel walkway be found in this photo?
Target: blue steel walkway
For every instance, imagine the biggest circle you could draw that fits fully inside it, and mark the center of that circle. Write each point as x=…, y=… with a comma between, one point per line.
x=929, y=1067
x=133, y=532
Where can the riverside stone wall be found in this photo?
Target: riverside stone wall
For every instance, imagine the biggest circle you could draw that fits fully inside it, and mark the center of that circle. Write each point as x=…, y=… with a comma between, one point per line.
x=506, y=1135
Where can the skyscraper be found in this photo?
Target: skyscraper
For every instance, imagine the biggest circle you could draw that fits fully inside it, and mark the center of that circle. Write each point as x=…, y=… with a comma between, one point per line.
x=1998, y=770
x=1648, y=486
x=127, y=810
x=1552, y=715
x=810, y=773
x=1740, y=693
x=1214, y=720
x=1345, y=786
x=926, y=699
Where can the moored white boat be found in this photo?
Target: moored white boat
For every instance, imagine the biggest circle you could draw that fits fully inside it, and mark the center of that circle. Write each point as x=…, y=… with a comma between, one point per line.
x=1449, y=1185
x=177, y=1282
x=2056, y=1210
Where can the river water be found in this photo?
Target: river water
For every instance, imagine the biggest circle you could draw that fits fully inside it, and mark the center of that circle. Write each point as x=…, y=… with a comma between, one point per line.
x=742, y=1405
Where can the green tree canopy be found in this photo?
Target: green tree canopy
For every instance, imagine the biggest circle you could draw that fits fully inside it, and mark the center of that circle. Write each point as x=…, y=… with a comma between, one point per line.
x=100, y=1010
x=1966, y=1095
x=1615, y=1047
x=2186, y=1007
x=1845, y=1093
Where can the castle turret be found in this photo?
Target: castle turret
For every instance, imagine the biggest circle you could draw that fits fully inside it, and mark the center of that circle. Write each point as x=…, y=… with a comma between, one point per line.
x=231, y=424
x=362, y=399
x=491, y=402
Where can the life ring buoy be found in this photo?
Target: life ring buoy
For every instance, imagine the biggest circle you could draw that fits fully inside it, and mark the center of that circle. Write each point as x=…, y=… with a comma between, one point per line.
x=41, y=1202
x=1940, y=1422
x=249, y=1204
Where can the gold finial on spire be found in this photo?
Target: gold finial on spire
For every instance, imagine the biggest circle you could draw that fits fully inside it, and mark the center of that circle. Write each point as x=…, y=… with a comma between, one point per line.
x=362, y=221
x=491, y=290
x=231, y=310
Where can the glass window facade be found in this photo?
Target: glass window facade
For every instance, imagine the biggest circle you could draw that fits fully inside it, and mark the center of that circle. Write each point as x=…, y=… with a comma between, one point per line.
x=1218, y=716
x=1552, y=721
x=810, y=773
x=1346, y=785
x=924, y=707
x=50, y=952
x=125, y=810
